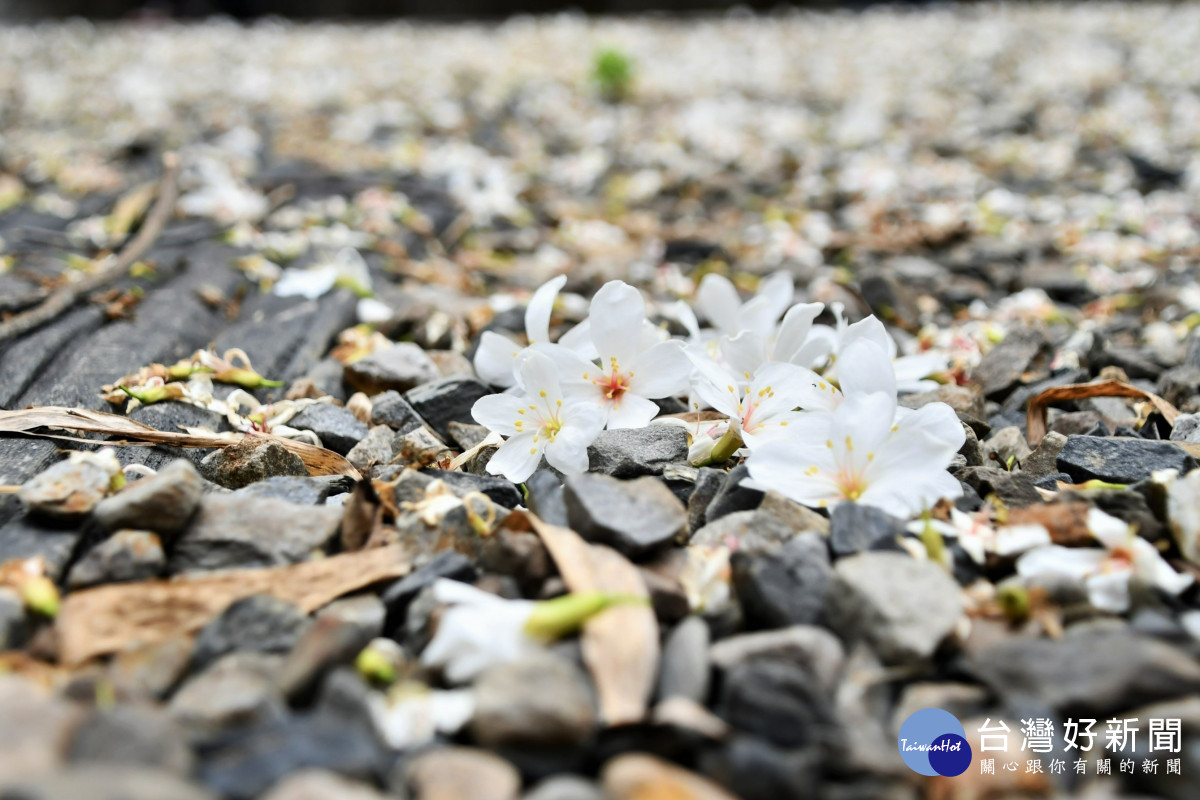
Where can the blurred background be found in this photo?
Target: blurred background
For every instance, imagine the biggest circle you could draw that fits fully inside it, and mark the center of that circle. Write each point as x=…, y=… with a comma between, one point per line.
x=307, y=9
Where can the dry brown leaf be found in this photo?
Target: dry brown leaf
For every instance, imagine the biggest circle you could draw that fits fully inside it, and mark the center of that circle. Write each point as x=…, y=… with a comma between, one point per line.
x=1035, y=416
x=104, y=620
x=27, y=420
x=620, y=645
x=1066, y=522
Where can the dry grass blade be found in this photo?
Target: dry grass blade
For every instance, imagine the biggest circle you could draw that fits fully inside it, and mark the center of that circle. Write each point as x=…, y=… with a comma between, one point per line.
x=27, y=420
x=104, y=620
x=1035, y=416
x=67, y=296
x=620, y=645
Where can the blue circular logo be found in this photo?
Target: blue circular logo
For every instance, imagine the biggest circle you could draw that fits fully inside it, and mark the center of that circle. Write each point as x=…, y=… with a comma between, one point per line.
x=933, y=742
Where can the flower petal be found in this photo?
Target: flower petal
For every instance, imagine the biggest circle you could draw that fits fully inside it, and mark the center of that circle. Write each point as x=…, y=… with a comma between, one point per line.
x=793, y=331
x=495, y=359
x=539, y=377
x=745, y=352
x=499, y=413
x=660, y=371
x=541, y=305
x=616, y=318
x=777, y=289
x=864, y=367
x=633, y=411
x=718, y=300
x=517, y=458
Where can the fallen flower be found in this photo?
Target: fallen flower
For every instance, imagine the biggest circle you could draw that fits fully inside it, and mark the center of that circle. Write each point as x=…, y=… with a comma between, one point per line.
x=761, y=408
x=1106, y=573
x=978, y=536
x=538, y=422
x=495, y=358
x=856, y=453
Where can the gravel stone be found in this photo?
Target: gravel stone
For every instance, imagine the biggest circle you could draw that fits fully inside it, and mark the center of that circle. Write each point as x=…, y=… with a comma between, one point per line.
x=1118, y=460
x=163, y=503
x=399, y=367
x=335, y=426
x=630, y=452
x=124, y=556
x=635, y=517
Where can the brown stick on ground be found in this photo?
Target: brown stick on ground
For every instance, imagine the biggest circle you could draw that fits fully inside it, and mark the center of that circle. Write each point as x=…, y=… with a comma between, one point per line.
x=67, y=296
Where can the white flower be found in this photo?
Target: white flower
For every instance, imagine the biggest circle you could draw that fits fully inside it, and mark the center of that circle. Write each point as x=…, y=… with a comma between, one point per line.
x=347, y=269
x=635, y=368
x=719, y=301
x=857, y=453
x=538, y=422
x=910, y=371
x=978, y=537
x=762, y=405
x=413, y=715
x=496, y=355
x=478, y=630
x=1105, y=573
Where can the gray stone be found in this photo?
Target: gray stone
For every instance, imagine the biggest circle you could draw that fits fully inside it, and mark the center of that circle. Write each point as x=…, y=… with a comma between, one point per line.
x=29, y=536
x=444, y=401
x=1014, y=489
x=467, y=435
x=753, y=769
x=335, y=426
x=124, y=556
x=501, y=492
x=1180, y=385
x=36, y=724
x=963, y=399
x=630, y=452
x=105, y=782
x=963, y=700
x=855, y=527
x=708, y=482
x=338, y=634
x=685, y=671
x=321, y=784
x=564, y=787
x=259, y=623
x=635, y=517
x=539, y=700
x=13, y=625
x=230, y=531
x=1002, y=367
x=452, y=772
x=732, y=496
x=971, y=450
x=1043, y=460
x=67, y=490
x=788, y=587
x=250, y=460
x=1006, y=446
x=375, y=448
x=1120, y=460
x=392, y=410
x=815, y=649
x=777, y=700
x=1092, y=671
x=1186, y=429
x=903, y=608
x=237, y=691
x=162, y=503
x=546, y=497
x=399, y=367
x=311, y=490
x=131, y=734
x=151, y=670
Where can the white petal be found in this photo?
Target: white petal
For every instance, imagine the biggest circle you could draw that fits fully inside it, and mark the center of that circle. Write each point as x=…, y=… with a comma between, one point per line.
x=871, y=329
x=539, y=376
x=517, y=458
x=777, y=289
x=758, y=317
x=719, y=301
x=541, y=304
x=616, y=317
x=937, y=421
x=307, y=283
x=371, y=310
x=1014, y=539
x=661, y=371
x=1056, y=560
x=794, y=330
x=579, y=340
x=1111, y=532
x=567, y=455
x=632, y=412
x=745, y=352
x=500, y=413
x=1152, y=568
x=715, y=385
x=1109, y=590
x=864, y=367
x=911, y=369
x=495, y=359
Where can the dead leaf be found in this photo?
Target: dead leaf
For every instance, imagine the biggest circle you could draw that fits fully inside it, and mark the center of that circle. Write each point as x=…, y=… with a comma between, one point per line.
x=362, y=516
x=27, y=420
x=620, y=645
x=106, y=619
x=1066, y=522
x=1035, y=416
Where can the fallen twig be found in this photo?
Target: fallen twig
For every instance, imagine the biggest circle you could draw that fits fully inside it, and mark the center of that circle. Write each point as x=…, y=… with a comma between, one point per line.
x=67, y=296
x=1035, y=415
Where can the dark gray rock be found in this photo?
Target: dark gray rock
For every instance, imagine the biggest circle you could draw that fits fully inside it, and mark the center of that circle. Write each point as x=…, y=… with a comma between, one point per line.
x=635, y=517
x=392, y=410
x=502, y=492
x=13, y=627
x=396, y=597
x=708, y=482
x=1179, y=386
x=777, y=700
x=29, y=536
x=1043, y=460
x=855, y=527
x=1002, y=367
x=336, y=636
x=131, y=734
x=312, y=490
x=1186, y=429
x=377, y=447
x=754, y=769
x=630, y=452
x=1071, y=676
x=787, y=588
x=327, y=377
x=546, y=497
x=399, y=367
x=259, y=623
x=814, y=649
x=732, y=496
x=1015, y=489
x=163, y=503
x=249, y=461
x=541, y=700
x=68, y=490
x=903, y=608
x=124, y=556
x=335, y=426
x=105, y=782
x=685, y=671
x=444, y=401
x=238, y=691
x=1120, y=460
x=231, y=531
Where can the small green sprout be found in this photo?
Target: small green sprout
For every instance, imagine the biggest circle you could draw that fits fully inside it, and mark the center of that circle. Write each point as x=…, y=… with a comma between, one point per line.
x=612, y=71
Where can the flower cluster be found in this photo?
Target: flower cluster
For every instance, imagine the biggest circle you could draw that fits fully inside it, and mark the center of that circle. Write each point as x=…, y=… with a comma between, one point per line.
x=813, y=408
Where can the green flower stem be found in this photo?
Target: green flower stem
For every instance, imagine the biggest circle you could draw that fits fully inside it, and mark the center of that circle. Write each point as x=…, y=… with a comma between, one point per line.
x=724, y=449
